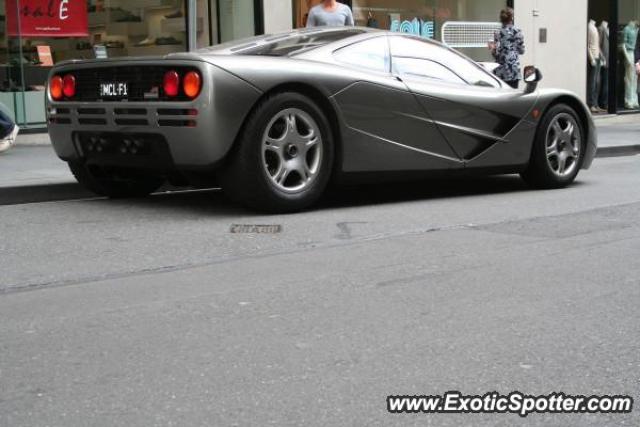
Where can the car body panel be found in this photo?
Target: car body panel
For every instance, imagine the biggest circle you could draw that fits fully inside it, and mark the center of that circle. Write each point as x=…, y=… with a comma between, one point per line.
x=222, y=107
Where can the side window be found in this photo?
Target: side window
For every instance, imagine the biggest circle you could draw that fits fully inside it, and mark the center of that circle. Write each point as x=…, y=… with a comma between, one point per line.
x=410, y=47
x=372, y=54
x=415, y=67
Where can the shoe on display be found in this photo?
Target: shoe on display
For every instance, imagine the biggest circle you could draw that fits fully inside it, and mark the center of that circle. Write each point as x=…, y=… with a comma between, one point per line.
x=146, y=42
x=176, y=14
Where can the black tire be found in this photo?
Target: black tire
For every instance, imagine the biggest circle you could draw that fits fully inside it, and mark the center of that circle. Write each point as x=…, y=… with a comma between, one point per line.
x=114, y=185
x=244, y=178
x=540, y=172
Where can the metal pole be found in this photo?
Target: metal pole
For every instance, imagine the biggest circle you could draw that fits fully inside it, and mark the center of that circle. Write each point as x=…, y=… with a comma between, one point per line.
x=192, y=26
x=21, y=65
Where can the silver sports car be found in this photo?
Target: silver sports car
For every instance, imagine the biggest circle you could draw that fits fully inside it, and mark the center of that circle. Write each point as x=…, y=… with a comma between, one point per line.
x=273, y=119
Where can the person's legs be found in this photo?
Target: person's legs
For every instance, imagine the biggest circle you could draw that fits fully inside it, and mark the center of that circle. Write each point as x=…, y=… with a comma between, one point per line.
x=603, y=102
x=6, y=125
x=592, y=88
x=513, y=83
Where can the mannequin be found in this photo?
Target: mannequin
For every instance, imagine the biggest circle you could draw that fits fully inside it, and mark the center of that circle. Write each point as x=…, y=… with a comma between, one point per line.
x=594, y=55
x=603, y=96
x=628, y=47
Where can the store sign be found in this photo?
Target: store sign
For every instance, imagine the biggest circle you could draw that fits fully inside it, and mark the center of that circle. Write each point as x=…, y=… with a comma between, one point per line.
x=47, y=18
x=416, y=26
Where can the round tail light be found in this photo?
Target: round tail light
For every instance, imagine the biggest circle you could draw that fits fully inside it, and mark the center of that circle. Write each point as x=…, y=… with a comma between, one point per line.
x=56, y=88
x=69, y=86
x=171, y=83
x=191, y=84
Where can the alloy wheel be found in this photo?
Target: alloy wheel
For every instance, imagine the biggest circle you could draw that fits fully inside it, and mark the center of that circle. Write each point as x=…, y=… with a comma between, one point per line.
x=563, y=145
x=292, y=150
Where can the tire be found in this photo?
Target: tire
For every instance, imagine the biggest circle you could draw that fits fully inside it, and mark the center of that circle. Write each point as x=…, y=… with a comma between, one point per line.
x=114, y=185
x=558, y=149
x=283, y=157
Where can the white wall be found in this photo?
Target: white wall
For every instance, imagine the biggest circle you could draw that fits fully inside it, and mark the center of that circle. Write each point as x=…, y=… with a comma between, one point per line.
x=563, y=59
x=278, y=16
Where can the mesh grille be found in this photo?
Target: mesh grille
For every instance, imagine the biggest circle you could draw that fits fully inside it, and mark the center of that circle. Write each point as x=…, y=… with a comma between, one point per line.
x=141, y=80
x=468, y=34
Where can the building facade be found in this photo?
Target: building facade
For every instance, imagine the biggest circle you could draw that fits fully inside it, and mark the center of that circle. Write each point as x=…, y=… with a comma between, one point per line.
x=36, y=34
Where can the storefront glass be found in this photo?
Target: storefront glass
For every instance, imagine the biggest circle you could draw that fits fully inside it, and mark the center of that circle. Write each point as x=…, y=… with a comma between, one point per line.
x=466, y=25
x=36, y=34
x=613, y=36
x=628, y=54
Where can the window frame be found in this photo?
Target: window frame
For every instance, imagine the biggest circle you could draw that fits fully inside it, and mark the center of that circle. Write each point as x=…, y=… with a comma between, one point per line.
x=438, y=45
x=388, y=61
x=461, y=82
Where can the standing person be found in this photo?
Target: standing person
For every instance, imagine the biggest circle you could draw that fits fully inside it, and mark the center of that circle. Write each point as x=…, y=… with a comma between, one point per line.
x=603, y=96
x=507, y=45
x=8, y=131
x=594, y=64
x=330, y=13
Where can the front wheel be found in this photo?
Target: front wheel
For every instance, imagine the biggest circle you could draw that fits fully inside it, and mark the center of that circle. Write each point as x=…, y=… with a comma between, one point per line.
x=558, y=149
x=115, y=184
x=283, y=159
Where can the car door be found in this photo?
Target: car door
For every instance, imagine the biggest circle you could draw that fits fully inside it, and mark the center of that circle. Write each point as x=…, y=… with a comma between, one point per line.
x=471, y=108
x=387, y=128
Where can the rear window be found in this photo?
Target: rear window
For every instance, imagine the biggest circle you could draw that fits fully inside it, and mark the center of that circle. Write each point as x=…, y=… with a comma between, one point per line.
x=292, y=45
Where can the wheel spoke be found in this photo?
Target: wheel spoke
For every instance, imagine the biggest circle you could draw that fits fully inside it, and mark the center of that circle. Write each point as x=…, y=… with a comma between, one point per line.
x=552, y=150
x=562, y=162
x=568, y=131
x=281, y=176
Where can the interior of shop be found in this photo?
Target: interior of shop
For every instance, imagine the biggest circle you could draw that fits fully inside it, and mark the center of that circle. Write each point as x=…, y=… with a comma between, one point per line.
x=423, y=17
x=614, y=30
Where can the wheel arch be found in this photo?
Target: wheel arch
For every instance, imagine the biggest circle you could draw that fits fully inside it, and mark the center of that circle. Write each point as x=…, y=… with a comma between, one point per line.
x=321, y=99
x=577, y=106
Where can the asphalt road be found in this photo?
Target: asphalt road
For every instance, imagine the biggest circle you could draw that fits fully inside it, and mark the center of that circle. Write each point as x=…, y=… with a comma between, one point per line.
x=152, y=312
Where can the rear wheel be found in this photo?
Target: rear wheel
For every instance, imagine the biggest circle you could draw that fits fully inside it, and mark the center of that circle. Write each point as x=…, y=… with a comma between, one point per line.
x=284, y=156
x=116, y=184
x=558, y=149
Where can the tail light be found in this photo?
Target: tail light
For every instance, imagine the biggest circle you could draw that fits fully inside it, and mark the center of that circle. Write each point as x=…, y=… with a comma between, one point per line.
x=171, y=83
x=69, y=86
x=191, y=84
x=56, y=88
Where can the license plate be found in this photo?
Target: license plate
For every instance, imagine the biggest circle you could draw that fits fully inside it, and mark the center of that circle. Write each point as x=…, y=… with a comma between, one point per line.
x=114, y=90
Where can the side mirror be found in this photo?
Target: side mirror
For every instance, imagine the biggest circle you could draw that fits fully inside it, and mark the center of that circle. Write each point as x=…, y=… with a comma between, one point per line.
x=531, y=78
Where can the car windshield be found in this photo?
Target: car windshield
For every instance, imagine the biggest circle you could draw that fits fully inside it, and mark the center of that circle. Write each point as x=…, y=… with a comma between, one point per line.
x=287, y=44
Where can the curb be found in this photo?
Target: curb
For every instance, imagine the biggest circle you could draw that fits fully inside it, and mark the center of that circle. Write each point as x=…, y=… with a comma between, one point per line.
x=618, y=151
x=37, y=193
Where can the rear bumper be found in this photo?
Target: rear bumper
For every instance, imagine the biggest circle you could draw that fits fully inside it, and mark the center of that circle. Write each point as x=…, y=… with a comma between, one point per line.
x=188, y=136
x=196, y=134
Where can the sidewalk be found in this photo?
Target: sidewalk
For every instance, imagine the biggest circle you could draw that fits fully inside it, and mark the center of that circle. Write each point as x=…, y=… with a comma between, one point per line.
x=32, y=162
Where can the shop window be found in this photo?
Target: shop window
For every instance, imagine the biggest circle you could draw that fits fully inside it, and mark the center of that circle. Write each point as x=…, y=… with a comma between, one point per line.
x=628, y=54
x=372, y=54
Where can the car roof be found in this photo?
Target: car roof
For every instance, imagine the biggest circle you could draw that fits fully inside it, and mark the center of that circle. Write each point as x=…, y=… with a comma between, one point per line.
x=323, y=35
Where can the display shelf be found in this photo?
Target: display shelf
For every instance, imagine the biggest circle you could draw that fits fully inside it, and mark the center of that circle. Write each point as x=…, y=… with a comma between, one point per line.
x=127, y=28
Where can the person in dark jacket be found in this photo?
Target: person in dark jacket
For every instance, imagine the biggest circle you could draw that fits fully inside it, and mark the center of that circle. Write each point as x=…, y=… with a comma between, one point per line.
x=506, y=47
